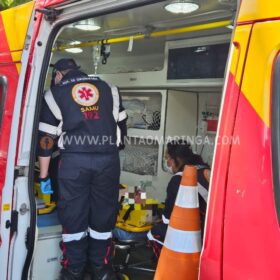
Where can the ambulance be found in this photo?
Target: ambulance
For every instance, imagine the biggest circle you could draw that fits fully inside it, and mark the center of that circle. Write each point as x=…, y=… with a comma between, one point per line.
x=207, y=71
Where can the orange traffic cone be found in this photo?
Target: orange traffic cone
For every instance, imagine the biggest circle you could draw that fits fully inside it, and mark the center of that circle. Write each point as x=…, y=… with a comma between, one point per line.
x=179, y=258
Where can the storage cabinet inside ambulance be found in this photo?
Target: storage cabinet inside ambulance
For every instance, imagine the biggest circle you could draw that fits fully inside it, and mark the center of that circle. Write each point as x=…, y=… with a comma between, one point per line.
x=169, y=69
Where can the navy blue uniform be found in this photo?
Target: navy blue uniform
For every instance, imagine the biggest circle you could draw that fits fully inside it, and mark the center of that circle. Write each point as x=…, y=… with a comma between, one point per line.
x=158, y=232
x=87, y=116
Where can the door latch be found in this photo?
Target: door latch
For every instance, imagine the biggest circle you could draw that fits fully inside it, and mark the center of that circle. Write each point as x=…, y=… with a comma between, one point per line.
x=13, y=223
x=23, y=209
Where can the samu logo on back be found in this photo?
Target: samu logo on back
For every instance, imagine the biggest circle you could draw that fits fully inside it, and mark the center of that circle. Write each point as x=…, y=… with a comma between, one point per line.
x=85, y=94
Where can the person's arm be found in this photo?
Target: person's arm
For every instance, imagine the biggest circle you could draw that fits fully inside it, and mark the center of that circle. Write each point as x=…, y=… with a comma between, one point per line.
x=46, y=138
x=172, y=190
x=44, y=179
x=122, y=124
x=44, y=163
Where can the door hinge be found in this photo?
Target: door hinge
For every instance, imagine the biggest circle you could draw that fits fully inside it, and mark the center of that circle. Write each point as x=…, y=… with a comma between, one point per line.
x=13, y=223
x=21, y=171
x=49, y=13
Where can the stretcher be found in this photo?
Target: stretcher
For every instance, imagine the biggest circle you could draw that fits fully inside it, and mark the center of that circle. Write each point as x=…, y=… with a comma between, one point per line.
x=47, y=206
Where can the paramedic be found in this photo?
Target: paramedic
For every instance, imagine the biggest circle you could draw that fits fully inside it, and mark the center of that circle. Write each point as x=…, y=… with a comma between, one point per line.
x=178, y=154
x=87, y=114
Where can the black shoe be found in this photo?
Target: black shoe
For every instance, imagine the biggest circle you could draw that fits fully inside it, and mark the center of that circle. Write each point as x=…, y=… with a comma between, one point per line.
x=68, y=274
x=105, y=272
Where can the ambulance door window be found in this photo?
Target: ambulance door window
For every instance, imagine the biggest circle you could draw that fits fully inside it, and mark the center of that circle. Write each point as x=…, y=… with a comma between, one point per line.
x=3, y=91
x=276, y=134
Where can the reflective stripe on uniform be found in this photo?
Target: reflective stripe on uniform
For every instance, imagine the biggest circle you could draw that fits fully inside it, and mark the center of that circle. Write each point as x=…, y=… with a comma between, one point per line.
x=56, y=112
x=183, y=241
x=116, y=109
x=151, y=237
x=44, y=127
x=74, y=236
x=122, y=116
x=165, y=220
x=100, y=235
x=203, y=192
x=118, y=136
x=187, y=197
x=60, y=142
x=116, y=102
x=53, y=105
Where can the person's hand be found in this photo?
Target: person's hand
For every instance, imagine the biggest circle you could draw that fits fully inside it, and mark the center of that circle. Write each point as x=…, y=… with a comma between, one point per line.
x=45, y=185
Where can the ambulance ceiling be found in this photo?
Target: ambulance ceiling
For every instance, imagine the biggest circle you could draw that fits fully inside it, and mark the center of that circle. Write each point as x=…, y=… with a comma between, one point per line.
x=147, y=55
x=150, y=18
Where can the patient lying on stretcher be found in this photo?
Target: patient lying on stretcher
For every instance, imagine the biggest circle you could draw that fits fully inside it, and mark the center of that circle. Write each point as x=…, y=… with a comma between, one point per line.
x=136, y=216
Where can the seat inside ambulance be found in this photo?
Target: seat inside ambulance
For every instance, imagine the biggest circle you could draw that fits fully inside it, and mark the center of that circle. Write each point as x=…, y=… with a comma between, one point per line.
x=169, y=69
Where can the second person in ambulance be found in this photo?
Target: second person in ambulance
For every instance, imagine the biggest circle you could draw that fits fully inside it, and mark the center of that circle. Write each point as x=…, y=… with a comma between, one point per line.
x=179, y=154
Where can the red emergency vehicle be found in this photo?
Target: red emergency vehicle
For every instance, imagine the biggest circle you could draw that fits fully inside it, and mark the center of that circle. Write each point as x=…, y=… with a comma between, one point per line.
x=242, y=239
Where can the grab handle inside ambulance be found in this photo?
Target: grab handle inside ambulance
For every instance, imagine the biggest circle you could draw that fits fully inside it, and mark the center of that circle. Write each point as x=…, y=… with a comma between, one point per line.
x=3, y=92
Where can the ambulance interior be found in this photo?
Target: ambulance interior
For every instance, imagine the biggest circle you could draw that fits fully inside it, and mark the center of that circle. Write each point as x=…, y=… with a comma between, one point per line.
x=169, y=69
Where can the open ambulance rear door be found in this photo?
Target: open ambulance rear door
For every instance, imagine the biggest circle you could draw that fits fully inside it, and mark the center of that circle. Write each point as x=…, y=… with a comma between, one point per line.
x=15, y=46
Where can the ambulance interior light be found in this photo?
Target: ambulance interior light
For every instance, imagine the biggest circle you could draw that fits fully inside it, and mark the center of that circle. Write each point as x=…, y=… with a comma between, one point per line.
x=87, y=25
x=181, y=6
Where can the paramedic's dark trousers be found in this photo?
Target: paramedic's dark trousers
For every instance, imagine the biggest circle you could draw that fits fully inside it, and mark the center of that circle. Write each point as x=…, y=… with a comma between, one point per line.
x=87, y=206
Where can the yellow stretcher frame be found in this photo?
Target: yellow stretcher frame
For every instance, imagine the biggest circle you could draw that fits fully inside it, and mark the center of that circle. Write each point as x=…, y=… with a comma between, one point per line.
x=130, y=228
x=47, y=209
